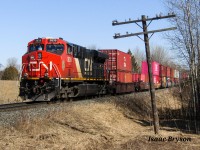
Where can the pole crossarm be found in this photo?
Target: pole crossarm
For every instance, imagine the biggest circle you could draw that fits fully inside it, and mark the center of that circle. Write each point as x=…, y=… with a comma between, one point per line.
x=115, y=22
x=117, y=35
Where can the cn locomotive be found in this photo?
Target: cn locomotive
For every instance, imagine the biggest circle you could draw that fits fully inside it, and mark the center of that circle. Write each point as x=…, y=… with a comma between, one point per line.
x=55, y=68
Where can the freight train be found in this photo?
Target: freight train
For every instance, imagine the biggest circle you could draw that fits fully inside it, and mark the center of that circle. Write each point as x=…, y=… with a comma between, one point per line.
x=53, y=68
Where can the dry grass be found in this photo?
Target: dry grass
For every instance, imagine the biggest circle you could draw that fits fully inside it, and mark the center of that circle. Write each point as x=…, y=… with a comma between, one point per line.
x=89, y=126
x=9, y=91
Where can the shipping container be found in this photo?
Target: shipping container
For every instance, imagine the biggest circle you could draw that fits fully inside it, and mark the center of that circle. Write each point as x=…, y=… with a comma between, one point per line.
x=184, y=75
x=156, y=81
x=120, y=76
x=168, y=72
x=172, y=73
x=118, y=60
x=136, y=77
x=176, y=73
x=163, y=71
x=145, y=78
x=155, y=68
x=163, y=82
x=142, y=77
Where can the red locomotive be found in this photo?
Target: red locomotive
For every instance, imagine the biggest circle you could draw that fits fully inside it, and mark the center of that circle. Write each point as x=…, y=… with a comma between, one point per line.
x=56, y=68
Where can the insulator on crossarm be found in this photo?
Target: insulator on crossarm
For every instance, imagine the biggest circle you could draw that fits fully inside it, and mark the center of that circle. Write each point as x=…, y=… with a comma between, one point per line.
x=117, y=34
x=114, y=21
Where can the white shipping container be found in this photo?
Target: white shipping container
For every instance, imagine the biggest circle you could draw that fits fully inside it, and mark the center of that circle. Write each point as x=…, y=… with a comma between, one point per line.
x=176, y=74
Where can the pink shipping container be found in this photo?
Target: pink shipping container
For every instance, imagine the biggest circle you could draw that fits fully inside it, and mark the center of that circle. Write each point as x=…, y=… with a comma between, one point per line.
x=118, y=60
x=155, y=68
x=142, y=77
x=163, y=71
x=156, y=79
x=121, y=76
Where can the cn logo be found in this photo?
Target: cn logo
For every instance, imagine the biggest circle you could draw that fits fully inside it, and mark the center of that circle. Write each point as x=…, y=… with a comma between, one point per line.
x=31, y=68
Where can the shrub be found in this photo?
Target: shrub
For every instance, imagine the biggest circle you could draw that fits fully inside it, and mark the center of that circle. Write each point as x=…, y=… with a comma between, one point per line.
x=10, y=73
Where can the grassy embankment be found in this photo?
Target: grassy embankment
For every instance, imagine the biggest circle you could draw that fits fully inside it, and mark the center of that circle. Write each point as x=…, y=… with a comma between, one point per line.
x=115, y=123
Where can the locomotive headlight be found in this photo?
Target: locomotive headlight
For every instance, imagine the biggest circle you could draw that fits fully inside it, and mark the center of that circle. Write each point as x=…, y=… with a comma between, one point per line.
x=39, y=55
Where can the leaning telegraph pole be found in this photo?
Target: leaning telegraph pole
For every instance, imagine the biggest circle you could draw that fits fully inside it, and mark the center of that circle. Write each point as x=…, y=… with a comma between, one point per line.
x=148, y=55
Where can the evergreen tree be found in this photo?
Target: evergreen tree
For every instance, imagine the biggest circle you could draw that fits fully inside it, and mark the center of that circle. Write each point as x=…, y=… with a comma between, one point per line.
x=135, y=67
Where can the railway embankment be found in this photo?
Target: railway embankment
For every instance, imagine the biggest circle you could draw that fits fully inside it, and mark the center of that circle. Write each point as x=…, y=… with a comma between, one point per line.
x=114, y=122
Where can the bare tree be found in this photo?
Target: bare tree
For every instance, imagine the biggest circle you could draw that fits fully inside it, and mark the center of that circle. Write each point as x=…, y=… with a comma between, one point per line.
x=139, y=57
x=1, y=66
x=161, y=55
x=186, y=39
x=12, y=62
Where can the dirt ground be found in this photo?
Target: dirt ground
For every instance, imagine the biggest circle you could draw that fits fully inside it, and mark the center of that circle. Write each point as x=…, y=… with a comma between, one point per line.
x=114, y=123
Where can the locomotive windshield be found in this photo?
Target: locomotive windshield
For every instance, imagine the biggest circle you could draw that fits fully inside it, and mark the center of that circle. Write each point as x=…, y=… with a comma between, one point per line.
x=35, y=47
x=55, y=48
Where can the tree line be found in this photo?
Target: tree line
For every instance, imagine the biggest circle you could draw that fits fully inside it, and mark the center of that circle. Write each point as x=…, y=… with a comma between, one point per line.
x=11, y=72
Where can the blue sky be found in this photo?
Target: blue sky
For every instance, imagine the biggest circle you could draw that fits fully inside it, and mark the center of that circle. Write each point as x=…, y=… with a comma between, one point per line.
x=84, y=22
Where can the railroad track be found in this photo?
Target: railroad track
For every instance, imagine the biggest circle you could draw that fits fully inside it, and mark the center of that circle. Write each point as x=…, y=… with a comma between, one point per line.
x=22, y=105
x=33, y=104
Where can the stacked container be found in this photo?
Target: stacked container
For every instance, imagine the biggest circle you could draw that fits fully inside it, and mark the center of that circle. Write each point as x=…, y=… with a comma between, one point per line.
x=139, y=77
x=184, y=75
x=176, y=76
x=155, y=72
x=135, y=77
x=172, y=74
x=163, y=74
x=168, y=73
x=118, y=67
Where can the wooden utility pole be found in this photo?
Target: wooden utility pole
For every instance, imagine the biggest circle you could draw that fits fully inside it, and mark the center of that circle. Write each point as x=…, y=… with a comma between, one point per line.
x=148, y=56
x=152, y=88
